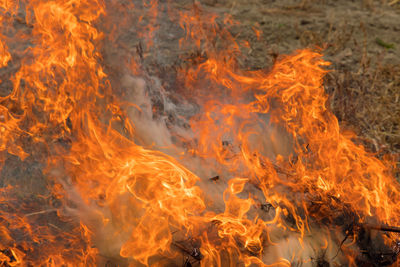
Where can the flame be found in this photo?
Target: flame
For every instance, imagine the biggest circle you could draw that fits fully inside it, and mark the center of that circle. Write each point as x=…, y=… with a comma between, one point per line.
x=285, y=168
x=327, y=162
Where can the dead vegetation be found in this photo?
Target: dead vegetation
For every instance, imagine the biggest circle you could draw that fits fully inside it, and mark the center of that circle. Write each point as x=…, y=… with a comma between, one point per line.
x=360, y=38
x=369, y=103
x=364, y=84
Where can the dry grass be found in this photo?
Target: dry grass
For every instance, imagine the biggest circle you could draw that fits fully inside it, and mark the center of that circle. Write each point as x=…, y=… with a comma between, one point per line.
x=368, y=102
x=364, y=87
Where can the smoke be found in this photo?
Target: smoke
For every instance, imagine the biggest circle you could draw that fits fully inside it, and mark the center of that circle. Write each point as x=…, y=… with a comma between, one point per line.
x=162, y=124
x=193, y=161
x=167, y=121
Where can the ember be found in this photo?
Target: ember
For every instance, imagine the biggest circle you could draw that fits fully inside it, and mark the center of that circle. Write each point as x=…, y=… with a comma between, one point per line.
x=211, y=165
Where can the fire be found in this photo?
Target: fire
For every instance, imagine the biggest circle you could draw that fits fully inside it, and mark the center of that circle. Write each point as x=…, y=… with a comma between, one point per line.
x=261, y=174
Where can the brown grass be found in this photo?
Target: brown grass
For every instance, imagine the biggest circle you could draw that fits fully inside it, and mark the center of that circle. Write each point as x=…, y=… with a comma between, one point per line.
x=368, y=102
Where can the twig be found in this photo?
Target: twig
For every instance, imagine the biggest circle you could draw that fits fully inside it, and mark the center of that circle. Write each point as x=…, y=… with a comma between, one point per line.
x=40, y=212
x=348, y=233
x=54, y=226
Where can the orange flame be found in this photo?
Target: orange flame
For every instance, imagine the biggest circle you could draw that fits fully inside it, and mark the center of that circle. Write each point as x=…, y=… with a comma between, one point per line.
x=284, y=166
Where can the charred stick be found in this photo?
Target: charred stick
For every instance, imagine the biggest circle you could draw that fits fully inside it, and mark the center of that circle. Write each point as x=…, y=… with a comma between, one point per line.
x=215, y=178
x=385, y=228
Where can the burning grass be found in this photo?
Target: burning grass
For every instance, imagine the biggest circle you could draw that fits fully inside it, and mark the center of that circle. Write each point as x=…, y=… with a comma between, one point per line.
x=219, y=167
